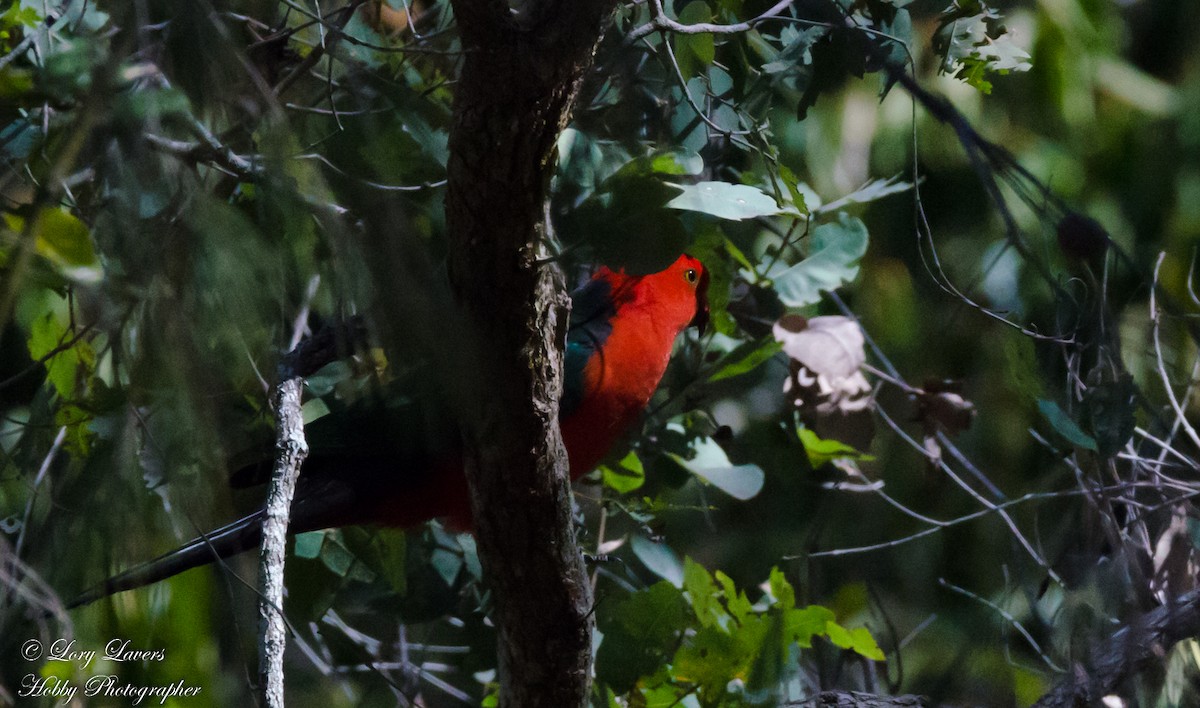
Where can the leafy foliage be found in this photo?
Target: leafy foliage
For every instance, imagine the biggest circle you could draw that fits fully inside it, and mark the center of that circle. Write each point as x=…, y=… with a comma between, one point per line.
x=181, y=182
x=834, y=251
x=705, y=641
x=973, y=49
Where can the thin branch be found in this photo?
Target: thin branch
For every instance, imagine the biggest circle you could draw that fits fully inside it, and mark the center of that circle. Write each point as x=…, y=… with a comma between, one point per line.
x=1136, y=647
x=1007, y=617
x=291, y=450
x=337, y=30
x=43, y=470
x=367, y=183
x=247, y=167
x=941, y=525
x=1155, y=315
x=687, y=93
x=659, y=22
x=32, y=37
x=46, y=357
x=315, y=55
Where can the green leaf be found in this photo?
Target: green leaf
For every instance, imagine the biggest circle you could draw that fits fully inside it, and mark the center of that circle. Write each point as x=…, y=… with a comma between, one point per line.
x=834, y=253
x=659, y=559
x=314, y=409
x=65, y=239
x=971, y=48
x=639, y=634
x=64, y=367
x=857, y=640
x=673, y=163
x=628, y=226
x=710, y=463
x=796, y=53
x=470, y=555
x=725, y=200
x=321, y=382
x=736, y=602
x=703, y=595
x=720, y=82
x=820, y=451
x=714, y=657
x=666, y=695
x=690, y=131
x=626, y=476
x=745, y=358
x=863, y=643
x=340, y=561
x=19, y=13
x=800, y=626
x=692, y=49
x=711, y=659
x=799, y=195
x=308, y=544
x=384, y=551
x=1065, y=426
x=869, y=192
x=741, y=482
x=781, y=589
x=77, y=422
x=447, y=563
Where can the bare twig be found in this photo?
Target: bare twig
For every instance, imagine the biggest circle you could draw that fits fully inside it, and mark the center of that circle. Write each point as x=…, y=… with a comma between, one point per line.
x=64, y=346
x=659, y=22
x=43, y=470
x=315, y=55
x=941, y=525
x=291, y=450
x=32, y=37
x=683, y=84
x=1007, y=617
x=1155, y=315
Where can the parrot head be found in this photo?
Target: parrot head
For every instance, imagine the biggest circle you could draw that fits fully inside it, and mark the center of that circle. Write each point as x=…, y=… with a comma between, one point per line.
x=676, y=297
x=681, y=293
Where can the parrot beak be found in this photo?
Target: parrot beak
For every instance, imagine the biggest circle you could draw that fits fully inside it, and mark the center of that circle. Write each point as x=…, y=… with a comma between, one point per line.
x=700, y=321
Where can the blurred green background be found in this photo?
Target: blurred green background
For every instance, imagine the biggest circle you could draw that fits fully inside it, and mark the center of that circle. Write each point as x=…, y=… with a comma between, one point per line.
x=181, y=179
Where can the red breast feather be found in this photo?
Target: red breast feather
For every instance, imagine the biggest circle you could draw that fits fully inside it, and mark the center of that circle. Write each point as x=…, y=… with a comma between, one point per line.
x=650, y=312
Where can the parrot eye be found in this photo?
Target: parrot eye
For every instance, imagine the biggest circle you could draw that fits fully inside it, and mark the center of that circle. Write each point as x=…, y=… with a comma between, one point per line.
x=691, y=275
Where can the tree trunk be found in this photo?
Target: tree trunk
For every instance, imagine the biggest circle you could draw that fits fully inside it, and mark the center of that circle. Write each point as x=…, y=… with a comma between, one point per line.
x=520, y=76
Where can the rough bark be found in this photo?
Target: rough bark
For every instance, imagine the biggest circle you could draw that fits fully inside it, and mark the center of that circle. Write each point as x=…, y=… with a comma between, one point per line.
x=1141, y=644
x=291, y=449
x=520, y=76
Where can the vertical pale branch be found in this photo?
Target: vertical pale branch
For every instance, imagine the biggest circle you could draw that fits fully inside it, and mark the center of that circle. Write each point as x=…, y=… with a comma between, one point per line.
x=520, y=76
x=291, y=449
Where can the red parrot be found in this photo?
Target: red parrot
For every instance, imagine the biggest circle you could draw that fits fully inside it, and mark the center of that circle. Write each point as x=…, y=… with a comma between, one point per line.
x=360, y=471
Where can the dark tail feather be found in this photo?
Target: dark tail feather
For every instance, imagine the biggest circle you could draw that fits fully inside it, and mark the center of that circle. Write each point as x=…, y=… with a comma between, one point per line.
x=241, y=535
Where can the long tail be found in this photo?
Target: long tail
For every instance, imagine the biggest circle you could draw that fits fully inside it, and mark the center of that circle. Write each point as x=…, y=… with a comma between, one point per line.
x=241, y=535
